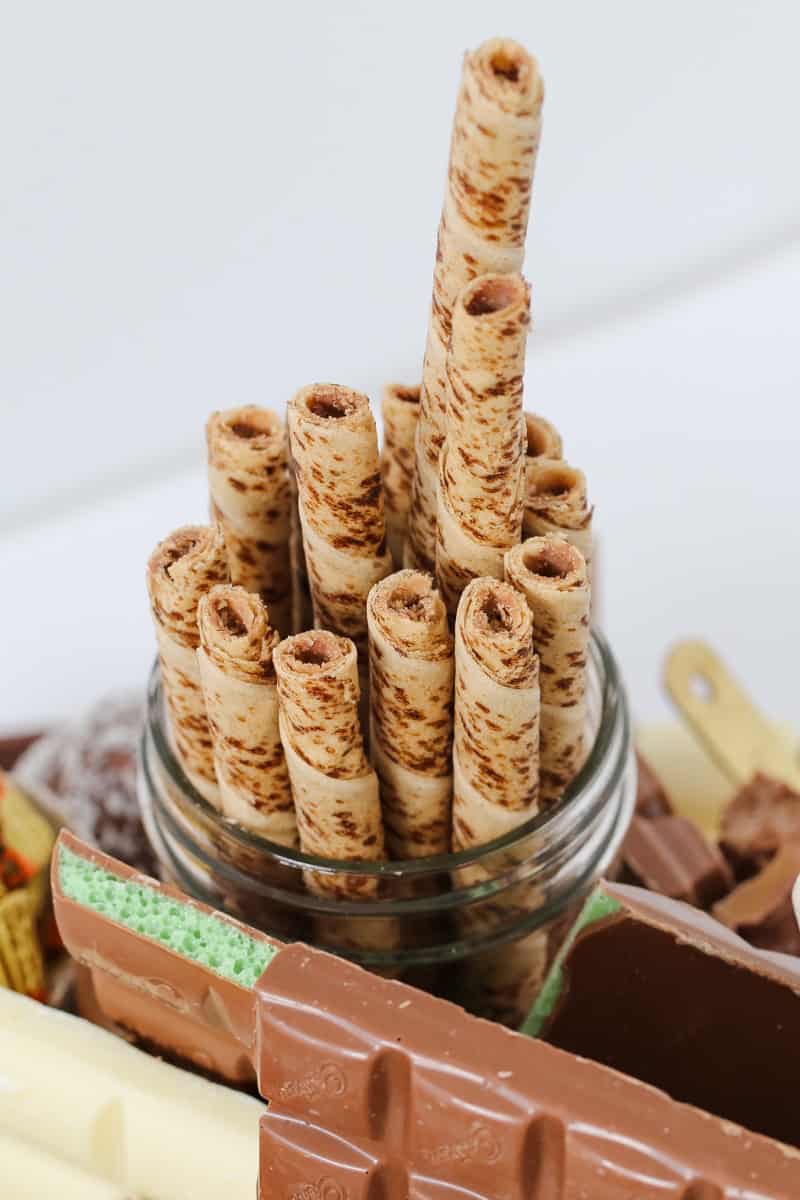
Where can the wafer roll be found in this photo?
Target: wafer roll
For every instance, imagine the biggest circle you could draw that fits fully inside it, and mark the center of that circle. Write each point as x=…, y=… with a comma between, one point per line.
x=542, y=438
x=496, y=737
x=302, y=606
x=250, y=498
x=484, y=220
x=335, y=788
x=411, y=690
x=181, y=569
x=556, y=502
x=241, y=694
x=551, y=574
x=335, y=449
x=400, y=411
x=482, y=465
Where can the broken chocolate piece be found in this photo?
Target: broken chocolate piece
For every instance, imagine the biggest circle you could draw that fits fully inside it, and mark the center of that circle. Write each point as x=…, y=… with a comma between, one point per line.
x=669, y=855
x=760, y=909
x=651, y=798
x=763, y=815
x=661, y=991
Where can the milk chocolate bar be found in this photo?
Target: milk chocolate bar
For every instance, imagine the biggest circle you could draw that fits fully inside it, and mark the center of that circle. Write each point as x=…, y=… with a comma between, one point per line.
x=651, y=797
x=378, y=1090
x=155, y=975
x=660, y=990
x=669, y=855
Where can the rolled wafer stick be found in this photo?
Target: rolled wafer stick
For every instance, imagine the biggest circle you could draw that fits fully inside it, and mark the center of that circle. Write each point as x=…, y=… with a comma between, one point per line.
x=302, y=606
x=250, y=498
x=241, y=693
x=482, y=466
x=411, y=690
x=180, y=570
x=335, y=788
x=400, y=411
x=484, y=220
x=556, y=502
x=542, y=438
x=551, y=574
x=335, y=449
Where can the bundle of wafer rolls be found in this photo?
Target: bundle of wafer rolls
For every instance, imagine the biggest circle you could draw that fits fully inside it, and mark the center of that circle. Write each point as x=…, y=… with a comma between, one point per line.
x=325, y=696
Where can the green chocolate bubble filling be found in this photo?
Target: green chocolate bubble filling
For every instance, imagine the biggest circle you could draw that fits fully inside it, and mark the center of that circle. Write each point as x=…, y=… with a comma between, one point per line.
x=597, y=908
x=200, y=936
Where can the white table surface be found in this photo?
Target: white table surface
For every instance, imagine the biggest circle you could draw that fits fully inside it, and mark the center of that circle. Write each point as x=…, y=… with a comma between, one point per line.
x=211, y=206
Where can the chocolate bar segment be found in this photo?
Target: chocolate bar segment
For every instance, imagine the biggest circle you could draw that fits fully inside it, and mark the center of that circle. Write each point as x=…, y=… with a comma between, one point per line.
x=661, y=991
x=760, y=909
x=763, y=815
x=669, y=855
x=379, y=1092
x=145, y=986
x=651, y=797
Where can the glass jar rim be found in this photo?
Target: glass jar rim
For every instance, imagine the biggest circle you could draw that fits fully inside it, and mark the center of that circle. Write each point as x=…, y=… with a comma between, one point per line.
x=614, y=719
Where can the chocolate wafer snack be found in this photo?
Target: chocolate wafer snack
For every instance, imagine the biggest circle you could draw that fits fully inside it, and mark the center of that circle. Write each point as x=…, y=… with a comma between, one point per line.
x=484, y=220
x=542, y=439
x=411, y=692
x=335, y=449
x=400, y=411
x=335, y=788
x=551, y=574
x=556, y=502
x=181, y=569
x=482, y=465
x=237, y=674
x=249, y=487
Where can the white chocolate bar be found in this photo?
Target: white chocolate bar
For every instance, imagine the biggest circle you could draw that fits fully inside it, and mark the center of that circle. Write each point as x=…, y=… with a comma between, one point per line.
x=134, y=1125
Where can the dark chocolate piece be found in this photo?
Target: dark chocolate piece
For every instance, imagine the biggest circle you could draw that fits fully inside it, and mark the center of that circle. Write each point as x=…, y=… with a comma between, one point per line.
x=661, y=991
x=763, y=815
x=760, y=909
x=12, y=747
x=651, y=798
x=669, y=855
x=379, y=1092
x=150, y=990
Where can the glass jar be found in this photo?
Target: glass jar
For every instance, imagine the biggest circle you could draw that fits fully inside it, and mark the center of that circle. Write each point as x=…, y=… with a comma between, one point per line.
x=479, y=927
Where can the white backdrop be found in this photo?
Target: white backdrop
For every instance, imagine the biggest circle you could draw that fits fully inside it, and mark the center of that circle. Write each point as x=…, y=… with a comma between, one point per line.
x=212, y=204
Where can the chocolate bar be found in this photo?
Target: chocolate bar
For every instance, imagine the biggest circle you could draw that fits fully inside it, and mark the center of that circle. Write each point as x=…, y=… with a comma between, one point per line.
x=760, y=909
x=669, y=855
x=164, y=996
x=651, y=797
x=658, y=989
x=378, y=1091
x=763, y=815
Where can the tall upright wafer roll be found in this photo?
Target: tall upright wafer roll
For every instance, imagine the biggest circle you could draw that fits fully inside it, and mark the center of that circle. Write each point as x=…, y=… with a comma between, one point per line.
x=556, y=502
x=302, y=605
x=400, y=411
x=482, y=466
x=335, y=788
x=249, y=485
x=334, y=445
x=180, y=571
x=411, y=690
x=496, y=735
x=551, y=574
x=238, y=679
x=484, y=220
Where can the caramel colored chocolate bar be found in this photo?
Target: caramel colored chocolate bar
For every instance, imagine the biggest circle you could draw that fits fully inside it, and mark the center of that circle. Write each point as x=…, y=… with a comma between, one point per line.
x=150, y=974
x=378, y=1090
x=655, y=988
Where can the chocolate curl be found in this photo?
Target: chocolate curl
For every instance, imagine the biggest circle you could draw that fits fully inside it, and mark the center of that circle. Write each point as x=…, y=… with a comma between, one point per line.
x=484, y=220
x=411, y=691
x=181, y=569
x=552, y=576
x=241, y=694
x=250, y=498
x=482, y=466
x=556, y=502
x=335, y=449
x=400, y=411
x=335, y=788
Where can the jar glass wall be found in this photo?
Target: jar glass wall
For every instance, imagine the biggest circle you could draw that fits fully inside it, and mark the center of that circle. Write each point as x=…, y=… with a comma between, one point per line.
x=478, y=927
